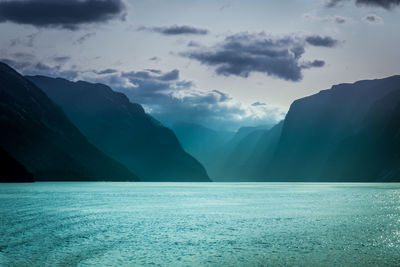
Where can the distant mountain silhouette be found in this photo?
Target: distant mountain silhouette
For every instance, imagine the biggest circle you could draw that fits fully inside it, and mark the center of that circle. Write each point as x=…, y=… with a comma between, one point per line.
x=11, y=171
x=37, y=134
x=347, y=133
x=203, y=143
x=350, y=132
x=123, y=130
x=248, y=151
x=221, y=152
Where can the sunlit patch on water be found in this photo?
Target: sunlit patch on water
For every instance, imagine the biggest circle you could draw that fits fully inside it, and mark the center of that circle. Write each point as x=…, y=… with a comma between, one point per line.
x=190, y=224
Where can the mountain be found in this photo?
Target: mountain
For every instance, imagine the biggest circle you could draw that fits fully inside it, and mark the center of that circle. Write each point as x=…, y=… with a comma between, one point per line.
x=374, y=152
x=350, y=132
x=203, y=143
x=244, y=132
x=247, y=152
x=198, y=139
x=37, y=134
x=11, y=171
x=317, y=125
x=123, y=130
x=223, y=153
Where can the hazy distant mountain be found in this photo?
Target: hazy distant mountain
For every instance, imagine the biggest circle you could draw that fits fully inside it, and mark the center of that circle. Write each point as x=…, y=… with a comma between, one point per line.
x=123, y=130
x=11, y=170
x=37, y=134
x=203, y=143
x=350, y=132
x=223, y=153
x=244, y=132
x=197, y=138
x=246, y=161
x=247, y=153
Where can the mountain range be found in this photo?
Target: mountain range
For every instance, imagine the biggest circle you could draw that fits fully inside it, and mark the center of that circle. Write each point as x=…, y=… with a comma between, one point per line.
x=38, y=135
x=350, y=132
x=123, y=130
x=205, y=144
x=59, y=130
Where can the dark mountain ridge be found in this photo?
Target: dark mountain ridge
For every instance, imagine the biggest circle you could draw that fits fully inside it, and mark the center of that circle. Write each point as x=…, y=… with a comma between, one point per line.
x=315, y=125
x=123, y=130
x=347, y=133
x=37, y=134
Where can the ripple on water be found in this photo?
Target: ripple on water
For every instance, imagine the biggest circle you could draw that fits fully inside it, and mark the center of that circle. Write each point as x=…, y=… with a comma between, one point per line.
x=62, y=224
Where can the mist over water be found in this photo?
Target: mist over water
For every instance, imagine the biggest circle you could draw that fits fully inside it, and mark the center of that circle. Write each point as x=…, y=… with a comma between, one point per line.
x=199, y=224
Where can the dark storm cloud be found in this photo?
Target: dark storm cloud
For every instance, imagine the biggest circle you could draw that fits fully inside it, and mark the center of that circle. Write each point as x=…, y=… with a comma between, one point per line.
x=161, y=93
x=67, y=14
x=225, y=6
x=331, y=18
x=148, y=86
x=172, y=100
x=30, y=66
x=325, y=41
x=387, y=4
x=154, y=58
x=373, y=19
x=105, y=71
x=154, y=71
x=23, y=56
x=27, y=41
x=19, y=65
x=193, y=44
x=150, y=75
x=84, y=37
x=244, y=53
x=340, y=20
x=212, y=108
x=164, y=93
x=333, y=3
x=176, y=30
x=313, y=64
x=61, y=59
x=255, y=104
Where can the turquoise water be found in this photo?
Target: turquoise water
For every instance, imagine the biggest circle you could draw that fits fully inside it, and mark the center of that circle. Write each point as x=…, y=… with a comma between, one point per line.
x=193, y=224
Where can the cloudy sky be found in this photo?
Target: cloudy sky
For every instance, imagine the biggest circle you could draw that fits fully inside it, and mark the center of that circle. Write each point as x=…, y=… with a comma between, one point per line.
x=224, y=64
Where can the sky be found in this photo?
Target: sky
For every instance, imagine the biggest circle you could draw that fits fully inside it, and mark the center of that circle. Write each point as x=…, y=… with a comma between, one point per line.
x=223, y=64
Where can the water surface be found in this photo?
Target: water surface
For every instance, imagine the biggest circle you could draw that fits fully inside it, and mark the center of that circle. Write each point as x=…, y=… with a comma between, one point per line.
x=199, y=224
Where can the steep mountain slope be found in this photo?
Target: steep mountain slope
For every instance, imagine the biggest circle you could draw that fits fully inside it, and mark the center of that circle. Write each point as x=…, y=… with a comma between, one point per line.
x=350, y=132
x=224, y=154
x=373, y=154
x=203, y=143
x=249, y=151
x=11, y=171
x=316, y=125
x=198, y=140
x=37, y=134
x=123, y=130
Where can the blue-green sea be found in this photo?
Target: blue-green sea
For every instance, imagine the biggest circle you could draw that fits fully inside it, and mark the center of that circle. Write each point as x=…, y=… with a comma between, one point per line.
x=199, y=224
